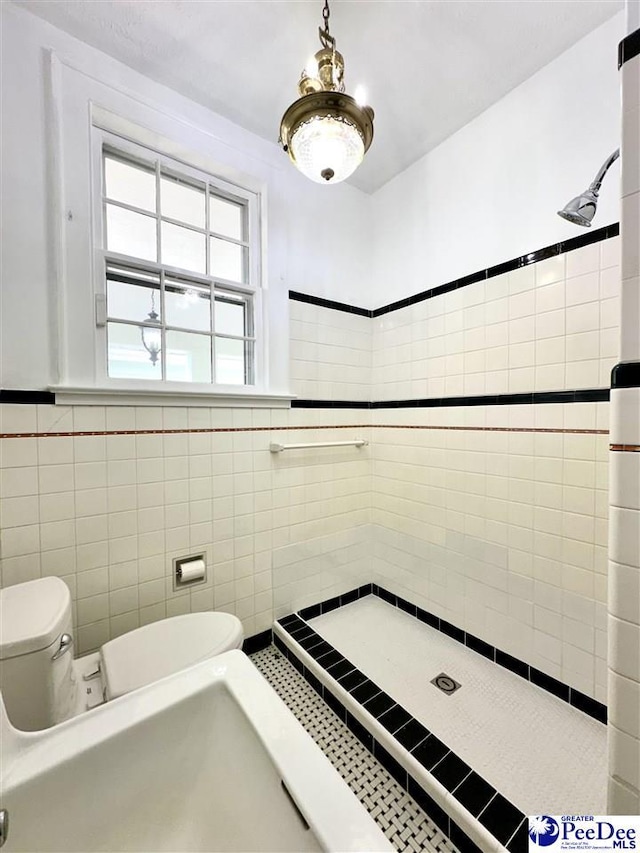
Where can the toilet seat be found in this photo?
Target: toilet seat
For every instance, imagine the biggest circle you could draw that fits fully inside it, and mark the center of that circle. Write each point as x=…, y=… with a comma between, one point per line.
x=164, y=647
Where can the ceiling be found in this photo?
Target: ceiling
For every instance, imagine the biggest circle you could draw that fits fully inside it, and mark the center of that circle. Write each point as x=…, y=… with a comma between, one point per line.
x=429, y=66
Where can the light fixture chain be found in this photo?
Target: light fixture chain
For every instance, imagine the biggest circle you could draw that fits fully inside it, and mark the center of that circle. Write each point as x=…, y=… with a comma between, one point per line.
x=326, y=39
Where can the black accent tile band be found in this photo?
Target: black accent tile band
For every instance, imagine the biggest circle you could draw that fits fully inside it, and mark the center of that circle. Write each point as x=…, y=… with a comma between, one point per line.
x=501, y=818
x=474, y=793
x=365, y=691
x=587, y=395
x=535, y=398
x=629, y=47
x=548, y=683
x=11, y=396
x=296, y=296
x=626, y=375
x=330, y=404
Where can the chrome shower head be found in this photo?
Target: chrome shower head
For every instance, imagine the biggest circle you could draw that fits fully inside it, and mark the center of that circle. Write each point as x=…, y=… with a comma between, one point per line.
x=581, y=209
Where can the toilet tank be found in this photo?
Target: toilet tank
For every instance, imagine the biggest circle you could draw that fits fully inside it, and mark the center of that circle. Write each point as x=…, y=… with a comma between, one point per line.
x=36, y=658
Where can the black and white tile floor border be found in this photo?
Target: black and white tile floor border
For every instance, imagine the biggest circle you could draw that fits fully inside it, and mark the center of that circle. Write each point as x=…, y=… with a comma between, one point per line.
x=401, y=819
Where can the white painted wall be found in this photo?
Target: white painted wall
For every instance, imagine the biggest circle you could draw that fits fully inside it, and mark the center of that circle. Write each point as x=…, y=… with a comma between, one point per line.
x=307, y=249
x=491, y=191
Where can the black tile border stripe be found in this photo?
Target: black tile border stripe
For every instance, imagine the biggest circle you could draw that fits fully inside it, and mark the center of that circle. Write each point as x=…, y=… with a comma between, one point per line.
x=24, y=397
x=578, y=395
x=626, y=374
x=568, y=694
x=551, y=251
x=629, y=48
x=296, y=296
x=471, y=791
x=330, y=404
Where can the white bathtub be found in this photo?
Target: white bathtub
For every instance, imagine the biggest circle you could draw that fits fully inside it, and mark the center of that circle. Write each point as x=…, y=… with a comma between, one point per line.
x=195, y=762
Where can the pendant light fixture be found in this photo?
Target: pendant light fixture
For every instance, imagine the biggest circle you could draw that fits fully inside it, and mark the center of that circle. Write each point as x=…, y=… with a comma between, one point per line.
x=326, y=132
x=152, y=337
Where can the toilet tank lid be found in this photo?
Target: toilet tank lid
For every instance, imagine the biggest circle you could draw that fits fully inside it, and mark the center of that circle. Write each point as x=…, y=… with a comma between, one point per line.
x=32, y=615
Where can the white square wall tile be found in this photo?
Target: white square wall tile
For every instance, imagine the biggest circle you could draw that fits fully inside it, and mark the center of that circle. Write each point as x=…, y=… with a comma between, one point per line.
x=624, y=592
x=630, y=319
x=630, y=145
x=610, y=253
x=18, y=418
x=624, y=479
x=624, y=704
x=584, y=260
x=55, y=418
x=18, y=452
x=624, y=536
x=550, y=270
x=622, y=799
x=624, y=647
x=624, y=756
x=630, y=228
x=625, y=416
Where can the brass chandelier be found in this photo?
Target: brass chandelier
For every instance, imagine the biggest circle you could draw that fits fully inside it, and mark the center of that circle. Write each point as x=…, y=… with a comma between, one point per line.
x=326, y=132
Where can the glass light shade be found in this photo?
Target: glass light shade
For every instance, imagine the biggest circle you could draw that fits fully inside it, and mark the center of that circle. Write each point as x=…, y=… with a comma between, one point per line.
x=152, y=342
x=326, y=143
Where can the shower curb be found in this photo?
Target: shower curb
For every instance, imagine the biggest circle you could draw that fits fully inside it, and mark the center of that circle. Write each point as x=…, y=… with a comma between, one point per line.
x=380, y=725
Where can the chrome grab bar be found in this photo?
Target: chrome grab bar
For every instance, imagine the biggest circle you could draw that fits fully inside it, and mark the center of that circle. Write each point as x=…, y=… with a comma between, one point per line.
x=276, y=447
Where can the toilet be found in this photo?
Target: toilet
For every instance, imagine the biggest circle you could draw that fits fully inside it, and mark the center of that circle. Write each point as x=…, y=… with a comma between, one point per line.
x=42, y=684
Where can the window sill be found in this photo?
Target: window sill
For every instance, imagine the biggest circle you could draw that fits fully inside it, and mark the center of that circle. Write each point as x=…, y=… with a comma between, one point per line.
x=127, y=396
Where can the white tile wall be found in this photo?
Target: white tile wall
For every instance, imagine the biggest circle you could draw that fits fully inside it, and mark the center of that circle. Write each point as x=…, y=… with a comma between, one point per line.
x=624, y=594
x=330, y=353
x=546, y=327
x=317, y=569
x=108, y=513
x=501, y=533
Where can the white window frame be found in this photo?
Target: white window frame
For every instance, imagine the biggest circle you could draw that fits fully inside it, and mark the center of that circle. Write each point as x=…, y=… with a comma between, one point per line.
x=136, y=152
x=80, y=104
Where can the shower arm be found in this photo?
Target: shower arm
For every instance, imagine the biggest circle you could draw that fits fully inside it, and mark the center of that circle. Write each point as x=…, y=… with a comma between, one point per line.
x=597, y=181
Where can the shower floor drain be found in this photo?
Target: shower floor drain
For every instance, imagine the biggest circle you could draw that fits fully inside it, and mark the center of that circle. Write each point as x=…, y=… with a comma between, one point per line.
x=445, y=683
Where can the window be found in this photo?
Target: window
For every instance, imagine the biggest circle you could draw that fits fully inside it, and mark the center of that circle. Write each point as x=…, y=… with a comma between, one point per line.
x=178, y=253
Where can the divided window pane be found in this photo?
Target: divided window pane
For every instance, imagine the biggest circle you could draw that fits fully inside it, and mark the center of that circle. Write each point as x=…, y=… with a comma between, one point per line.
x=226, y=218
x=134, y=302
x=183, y=248
x=230, y=316
x=188, y=305
x=188, y=357
x=130, y=183
x=130, y=233
x=161, y=324
x=182, y=201
x=128, y=357
x=231, y=366
x=226, y=260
